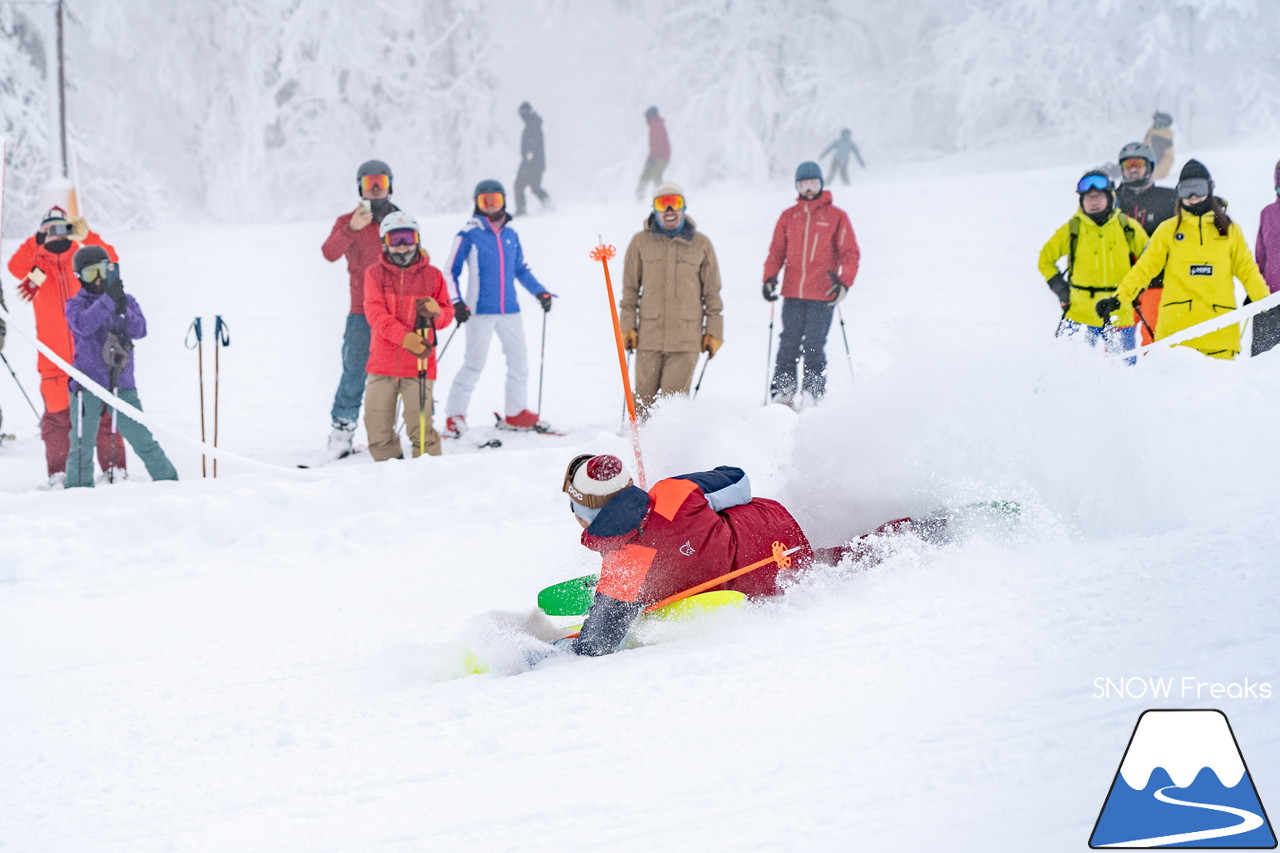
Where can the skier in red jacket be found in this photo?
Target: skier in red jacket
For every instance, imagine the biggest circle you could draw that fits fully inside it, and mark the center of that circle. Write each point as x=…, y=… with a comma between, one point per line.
x=815, y=242
x=406, y=300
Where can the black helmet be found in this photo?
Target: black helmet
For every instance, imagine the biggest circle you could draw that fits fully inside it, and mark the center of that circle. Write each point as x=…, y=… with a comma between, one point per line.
x=488, y=186
x=374, y=167
x=87, y=255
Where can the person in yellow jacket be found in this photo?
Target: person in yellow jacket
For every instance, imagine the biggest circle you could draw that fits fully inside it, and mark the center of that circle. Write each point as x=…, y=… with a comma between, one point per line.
x=1100, y=244
x=1202, y=252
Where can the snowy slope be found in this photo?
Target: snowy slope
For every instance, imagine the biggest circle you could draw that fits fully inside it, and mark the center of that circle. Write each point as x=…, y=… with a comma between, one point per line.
x=259, y=662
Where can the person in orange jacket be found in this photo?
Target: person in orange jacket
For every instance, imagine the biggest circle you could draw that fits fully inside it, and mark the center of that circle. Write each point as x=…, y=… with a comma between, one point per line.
x=406, y=299
x=47, y=279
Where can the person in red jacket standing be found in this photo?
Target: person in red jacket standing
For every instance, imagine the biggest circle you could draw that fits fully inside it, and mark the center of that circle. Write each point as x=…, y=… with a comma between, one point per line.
x=659, y=152
x=406, y=300
x=815, y=242
x=47, y=279
x=355, y=237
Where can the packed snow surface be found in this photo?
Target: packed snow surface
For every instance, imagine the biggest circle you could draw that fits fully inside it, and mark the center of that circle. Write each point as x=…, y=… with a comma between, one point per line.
x=263, y=661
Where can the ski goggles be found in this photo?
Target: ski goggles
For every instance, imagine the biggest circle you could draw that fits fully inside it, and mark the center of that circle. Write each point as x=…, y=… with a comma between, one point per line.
x=674, y=201
x=809, y=185
x=1093, y=182
x=93, y=272
x=490, y=201
x=1192, y=187
x=398, y=238
x=375, y=182
x=1134, y=163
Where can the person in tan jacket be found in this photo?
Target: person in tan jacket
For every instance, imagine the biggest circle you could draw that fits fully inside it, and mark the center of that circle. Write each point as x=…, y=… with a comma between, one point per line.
x=671, y=305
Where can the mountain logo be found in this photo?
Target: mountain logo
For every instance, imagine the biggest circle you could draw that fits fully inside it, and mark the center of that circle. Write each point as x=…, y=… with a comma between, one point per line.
x=1183, y=783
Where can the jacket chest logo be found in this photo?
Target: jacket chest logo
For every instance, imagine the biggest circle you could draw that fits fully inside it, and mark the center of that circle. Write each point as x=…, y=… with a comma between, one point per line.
x=686, y=548
x=1202, y=269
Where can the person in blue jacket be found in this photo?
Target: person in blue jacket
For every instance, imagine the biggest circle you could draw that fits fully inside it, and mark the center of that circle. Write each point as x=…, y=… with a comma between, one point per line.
x=490, y=249
x=105, y=322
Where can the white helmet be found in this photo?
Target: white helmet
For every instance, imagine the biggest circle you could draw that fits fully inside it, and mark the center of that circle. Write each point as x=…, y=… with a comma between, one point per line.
x=397, y=219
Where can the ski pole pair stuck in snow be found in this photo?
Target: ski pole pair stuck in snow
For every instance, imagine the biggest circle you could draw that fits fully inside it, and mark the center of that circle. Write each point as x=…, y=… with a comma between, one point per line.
x=195, y=340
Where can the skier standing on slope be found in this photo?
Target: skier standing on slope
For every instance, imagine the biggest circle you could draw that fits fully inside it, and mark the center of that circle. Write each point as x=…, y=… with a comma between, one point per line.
x=815, y=242
x=659, y=152
x=355, y=237
x=533, y=160
x=840, y=151
x=1202, y=252
x=684, y=531
x=1266, y=326
x=43, y=266
x=1100, y=244
x=1148, y=205
x=490, y=249
x=106, y=321
x=406, y=300
x=1160, y=138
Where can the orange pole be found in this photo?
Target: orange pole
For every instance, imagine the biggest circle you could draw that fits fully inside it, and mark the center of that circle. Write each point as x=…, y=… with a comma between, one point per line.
x=603, y=253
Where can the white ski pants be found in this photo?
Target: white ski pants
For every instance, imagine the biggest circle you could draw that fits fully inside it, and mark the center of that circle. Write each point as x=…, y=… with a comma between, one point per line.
x=480, y=330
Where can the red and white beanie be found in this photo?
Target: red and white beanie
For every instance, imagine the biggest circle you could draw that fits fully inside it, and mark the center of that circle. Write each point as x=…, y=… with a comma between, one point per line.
x=593, y=480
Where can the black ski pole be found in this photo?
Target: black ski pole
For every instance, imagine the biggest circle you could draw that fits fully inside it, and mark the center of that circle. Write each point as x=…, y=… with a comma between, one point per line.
x=115, y=352
x=542, y=360
x=843, y=334
x=222, y=338
x=447, y=341
x=1058, y=332
x=197, y=329
x=20, y=388
x=700, y=375
x=421, y=329
x=768, y=358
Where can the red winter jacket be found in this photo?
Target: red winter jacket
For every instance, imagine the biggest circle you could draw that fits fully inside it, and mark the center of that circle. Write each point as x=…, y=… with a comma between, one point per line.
x=670, y=539
x=362, y=249
x=390, y=303
x=659, y=144
x=813, y=238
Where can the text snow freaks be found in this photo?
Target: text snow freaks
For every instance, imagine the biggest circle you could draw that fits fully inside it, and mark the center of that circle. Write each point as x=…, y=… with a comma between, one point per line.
x=1186, y=687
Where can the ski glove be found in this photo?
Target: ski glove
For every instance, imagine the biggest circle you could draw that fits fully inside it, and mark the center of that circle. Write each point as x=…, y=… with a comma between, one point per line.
x=1107, y=307
x=630, y=340
x=544, y=299
x=1060, y=289
x=79, y=229
x=428, y=307
x=771, y=289
x=416, y=344
x=461, y=312
x=838, y=290
x=27, y=291
x=115, y=290
x=711, y=345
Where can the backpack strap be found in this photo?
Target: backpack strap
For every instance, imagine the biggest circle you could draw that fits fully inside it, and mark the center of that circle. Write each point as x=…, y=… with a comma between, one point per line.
x=1074, y=227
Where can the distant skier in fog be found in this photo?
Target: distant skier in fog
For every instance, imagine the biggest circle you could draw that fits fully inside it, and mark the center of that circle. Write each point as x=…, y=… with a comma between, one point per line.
x=842, y=148
x=659, y=152
x=533, y=160
x=1160, y=138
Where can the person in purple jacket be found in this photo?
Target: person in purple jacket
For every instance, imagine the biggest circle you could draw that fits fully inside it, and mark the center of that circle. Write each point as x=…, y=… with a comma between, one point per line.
x=105, y=322
x=1266, y=326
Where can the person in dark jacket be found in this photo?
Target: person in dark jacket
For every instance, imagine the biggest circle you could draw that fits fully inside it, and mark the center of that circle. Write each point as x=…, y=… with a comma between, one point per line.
x=533, y=160
x=106, y=321
x=355, y=237
x=659, y=152
x=1147, y=204
x=840, y=150
x=815, y=242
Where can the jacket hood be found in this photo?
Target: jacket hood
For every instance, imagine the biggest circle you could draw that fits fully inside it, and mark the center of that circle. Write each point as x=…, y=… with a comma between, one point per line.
x=823, y=200
x=686, y=233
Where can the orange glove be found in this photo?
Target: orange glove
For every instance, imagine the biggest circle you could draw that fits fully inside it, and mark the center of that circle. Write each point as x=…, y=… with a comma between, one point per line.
x=711, y=345
x=630, y=340
x=416, y=344
x=428, y=307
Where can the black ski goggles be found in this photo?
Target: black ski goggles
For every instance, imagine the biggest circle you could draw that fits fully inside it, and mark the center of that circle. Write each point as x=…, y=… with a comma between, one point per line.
x=1192, y=187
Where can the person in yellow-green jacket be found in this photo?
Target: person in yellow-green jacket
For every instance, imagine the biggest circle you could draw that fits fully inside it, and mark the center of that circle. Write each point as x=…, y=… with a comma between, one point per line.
x=1202, y=252
x=1100, y=244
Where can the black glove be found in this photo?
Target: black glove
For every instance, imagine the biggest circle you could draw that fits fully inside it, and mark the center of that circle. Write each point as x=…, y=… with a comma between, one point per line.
x=1060, y=289
x=115, y=289
x=544, y=299
x=771, y=289
x=1107, y=307
x=838, y=291
x=461, y=312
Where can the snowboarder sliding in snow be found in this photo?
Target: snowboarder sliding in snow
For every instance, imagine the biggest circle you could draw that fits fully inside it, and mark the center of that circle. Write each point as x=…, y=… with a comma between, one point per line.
x=1100, y=244
x=43, y=266
x=1148, y=205
x=406, y=300
x=670, y=307
x=659, y=152
x=1266, y=326
x=355, y=237
x=816, y=243
x=106, y=321
x=490, y=249
x=533, y=160
x=1202, y=251
x=840, y=151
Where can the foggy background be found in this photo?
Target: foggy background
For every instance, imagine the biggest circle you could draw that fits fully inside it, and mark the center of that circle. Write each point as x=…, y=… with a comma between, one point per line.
x=260, y=110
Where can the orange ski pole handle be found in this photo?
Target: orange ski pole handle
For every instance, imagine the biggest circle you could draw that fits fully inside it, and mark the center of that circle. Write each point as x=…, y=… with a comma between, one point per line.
x=603, y=253
x=781, y=555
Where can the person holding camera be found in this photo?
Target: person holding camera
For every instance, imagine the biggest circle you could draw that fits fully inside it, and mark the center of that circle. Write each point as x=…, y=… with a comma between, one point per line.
x=106, y=321
x=43, y=267
x=355, y=237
